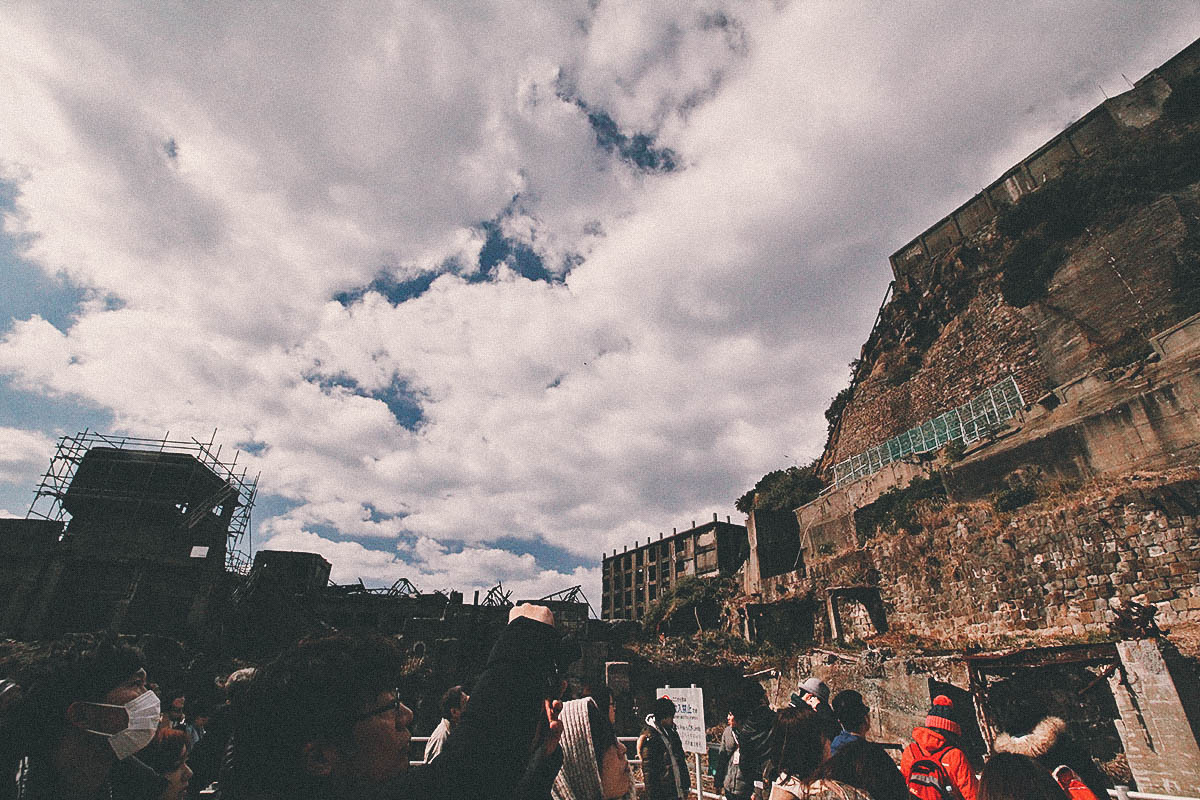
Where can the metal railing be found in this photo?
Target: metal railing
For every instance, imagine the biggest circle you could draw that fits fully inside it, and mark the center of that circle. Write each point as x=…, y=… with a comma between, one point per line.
x=1125, y=793
x=970, y=422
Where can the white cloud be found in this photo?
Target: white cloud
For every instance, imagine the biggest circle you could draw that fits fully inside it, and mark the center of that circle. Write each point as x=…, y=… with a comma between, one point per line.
x=24, y=455
x=432, y=566
x=215, y=174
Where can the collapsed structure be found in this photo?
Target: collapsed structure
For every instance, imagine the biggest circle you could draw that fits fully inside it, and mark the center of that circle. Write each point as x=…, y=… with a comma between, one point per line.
x=1013, y=471
x=150, y=536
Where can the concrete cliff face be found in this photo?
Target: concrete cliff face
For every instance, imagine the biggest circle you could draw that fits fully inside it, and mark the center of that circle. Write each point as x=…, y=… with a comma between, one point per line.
x=1022, y=567
x=1037, y=530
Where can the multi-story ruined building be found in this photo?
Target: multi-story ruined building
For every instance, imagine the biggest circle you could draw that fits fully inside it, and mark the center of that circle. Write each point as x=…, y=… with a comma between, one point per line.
x=1016, y=460
x=124, y=534
x=633, y=579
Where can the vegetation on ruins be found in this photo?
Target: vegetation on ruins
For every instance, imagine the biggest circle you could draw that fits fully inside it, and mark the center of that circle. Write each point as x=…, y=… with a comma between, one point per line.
x=692, y=605
x=896, y=509
x=1043, y=224
x=782, y=490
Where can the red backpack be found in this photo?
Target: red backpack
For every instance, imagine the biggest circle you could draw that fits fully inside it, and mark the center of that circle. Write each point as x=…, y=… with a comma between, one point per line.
x=928, y=779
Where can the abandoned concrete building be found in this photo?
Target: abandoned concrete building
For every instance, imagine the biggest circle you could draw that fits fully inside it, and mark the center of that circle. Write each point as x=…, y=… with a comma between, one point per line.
x=149, y=536
x=124, y=534
x=633, y=579
x=1015, y=465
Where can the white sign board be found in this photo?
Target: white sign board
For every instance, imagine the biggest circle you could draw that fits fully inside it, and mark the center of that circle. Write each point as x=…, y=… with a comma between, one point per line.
x=689, y=717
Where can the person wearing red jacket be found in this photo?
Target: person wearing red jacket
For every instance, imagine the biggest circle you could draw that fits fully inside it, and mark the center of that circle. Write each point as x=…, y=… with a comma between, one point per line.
x=934, y=765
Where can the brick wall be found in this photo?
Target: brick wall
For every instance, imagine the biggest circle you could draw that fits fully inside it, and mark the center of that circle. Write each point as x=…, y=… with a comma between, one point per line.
x=985, y=343
x=1046, y=571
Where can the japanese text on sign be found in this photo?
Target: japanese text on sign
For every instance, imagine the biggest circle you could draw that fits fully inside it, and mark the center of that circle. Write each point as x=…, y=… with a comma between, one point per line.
x=689, y=717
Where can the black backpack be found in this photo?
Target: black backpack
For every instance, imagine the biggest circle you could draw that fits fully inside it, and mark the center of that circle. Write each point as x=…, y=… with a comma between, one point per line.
x=927, y=778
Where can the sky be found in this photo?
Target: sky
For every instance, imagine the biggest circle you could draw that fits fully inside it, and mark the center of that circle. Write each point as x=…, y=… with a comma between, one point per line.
x=483, y=290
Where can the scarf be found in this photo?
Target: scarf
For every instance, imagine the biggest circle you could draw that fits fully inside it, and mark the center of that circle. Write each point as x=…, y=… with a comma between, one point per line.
x=652, y=723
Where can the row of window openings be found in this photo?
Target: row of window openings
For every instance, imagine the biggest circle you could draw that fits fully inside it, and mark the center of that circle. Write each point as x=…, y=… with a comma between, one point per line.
x=705, y=557
x=706, y=563
x=652, y=553
x=616, y=597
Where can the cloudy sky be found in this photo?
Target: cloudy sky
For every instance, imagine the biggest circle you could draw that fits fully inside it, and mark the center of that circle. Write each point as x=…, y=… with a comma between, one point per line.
x=486, y=289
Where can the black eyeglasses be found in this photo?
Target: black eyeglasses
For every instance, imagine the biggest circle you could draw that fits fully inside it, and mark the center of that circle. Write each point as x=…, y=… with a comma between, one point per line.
x=393, y=705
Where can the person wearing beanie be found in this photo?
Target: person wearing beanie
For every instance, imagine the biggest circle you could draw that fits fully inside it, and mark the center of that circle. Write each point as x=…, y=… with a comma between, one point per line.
x=594, y=764
x=853, y=715
x=934, y=765
x=664, y=765
x=814, y=693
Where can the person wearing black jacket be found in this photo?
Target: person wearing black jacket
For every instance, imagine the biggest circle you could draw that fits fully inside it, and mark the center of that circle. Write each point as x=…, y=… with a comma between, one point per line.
x=322, y=721
x=664, y=765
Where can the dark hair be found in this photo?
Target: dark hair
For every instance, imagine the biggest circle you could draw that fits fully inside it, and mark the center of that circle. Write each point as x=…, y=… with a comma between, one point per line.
x=796, y=744
x=740, y=707
x=663, y=708
x=166, y=751
x=77, y=668
x=850, y=709
x=1010, y=776
x=312, y=692
x=865, y=765
x=602, y=695
x=603, y=735
x=451, y=700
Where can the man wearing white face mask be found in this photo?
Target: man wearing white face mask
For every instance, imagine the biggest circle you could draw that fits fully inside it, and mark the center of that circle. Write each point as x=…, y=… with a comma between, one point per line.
x=87, y=711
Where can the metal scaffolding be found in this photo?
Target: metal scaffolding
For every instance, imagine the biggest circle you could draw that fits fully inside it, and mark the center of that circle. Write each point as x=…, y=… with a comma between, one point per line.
x=51, y=491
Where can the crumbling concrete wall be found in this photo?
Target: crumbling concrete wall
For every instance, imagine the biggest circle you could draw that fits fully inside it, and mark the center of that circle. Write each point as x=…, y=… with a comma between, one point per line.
x=1048, y=570
x=896, y=688
x=1154, y=729
x=984, y=344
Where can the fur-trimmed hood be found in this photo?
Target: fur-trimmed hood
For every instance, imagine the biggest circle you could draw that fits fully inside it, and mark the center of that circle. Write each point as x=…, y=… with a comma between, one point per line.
x=1039, y=741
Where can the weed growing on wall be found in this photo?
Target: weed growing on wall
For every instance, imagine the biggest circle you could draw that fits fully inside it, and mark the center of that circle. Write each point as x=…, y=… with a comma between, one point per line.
x=1042, y=225
x=896, y=509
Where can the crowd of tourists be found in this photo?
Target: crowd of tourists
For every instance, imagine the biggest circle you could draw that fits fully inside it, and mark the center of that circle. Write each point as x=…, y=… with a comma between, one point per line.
x=324, y=720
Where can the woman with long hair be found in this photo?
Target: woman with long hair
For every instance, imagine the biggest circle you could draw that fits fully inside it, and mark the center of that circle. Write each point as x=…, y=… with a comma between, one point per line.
x=796, y=747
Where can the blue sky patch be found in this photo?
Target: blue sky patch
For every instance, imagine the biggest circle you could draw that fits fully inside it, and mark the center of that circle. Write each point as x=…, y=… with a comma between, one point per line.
x=403, y=402
x=497, y=249
x=390, y=288
x=27, y=289
x=520, y=257
x=637, y=150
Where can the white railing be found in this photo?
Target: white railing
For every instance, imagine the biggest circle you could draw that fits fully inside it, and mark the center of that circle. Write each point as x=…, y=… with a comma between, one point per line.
x=1125, y=793
x=968, y=423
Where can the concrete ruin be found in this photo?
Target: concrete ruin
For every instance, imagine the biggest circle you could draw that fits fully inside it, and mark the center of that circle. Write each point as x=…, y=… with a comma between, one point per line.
x=142, y=536
x=634, y=579
x=127, y=535
x=1007, y=478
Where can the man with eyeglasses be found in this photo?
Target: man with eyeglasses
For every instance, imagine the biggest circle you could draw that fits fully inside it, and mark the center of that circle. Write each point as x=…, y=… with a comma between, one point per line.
x=322, y=721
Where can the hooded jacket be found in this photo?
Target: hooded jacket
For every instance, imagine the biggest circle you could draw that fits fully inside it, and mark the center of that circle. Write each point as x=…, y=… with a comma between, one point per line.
x=1051, y=745
x=579, y=778
x=664, y=764
x=749, y=742
x=936, y=745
